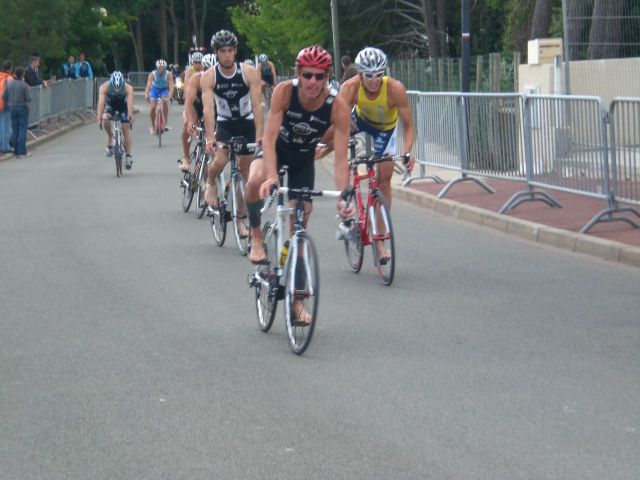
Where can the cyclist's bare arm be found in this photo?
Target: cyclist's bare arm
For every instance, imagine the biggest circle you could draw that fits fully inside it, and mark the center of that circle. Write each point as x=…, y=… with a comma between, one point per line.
x=273, y=71
x=129, y=90
x=171, y=84
x=102, y=95
x=187, y=79
x=279, y=103
x=189, y=109
x=397, y=96
x=147, y=89
x=207, y=84
x=341, y=122
x=255, y=90
x=349, y=91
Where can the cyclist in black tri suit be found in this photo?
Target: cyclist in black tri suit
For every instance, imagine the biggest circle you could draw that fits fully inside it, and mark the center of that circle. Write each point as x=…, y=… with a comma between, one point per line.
x=235, y=88
x=267, y=71
x=302, y=110
x=115, y=95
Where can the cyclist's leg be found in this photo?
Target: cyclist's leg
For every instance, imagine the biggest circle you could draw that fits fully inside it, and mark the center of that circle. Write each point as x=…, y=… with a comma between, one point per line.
x=256, y=177
x=385, y=143
x=184, y=137
x=152, y=113
x=300, y=176
x=106, y=125
x=220, y=159
x=165, y=107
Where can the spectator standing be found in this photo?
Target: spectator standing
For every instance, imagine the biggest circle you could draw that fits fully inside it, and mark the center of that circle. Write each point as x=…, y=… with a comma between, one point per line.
x=17, y=96
x=349, y=69
x=5, y=114
x=32, y=72
x=68, y=69
x=83, y=68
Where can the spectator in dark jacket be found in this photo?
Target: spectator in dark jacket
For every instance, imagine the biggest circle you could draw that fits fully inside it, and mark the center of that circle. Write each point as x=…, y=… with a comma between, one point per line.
x=68, y=69
x=17, y=95
x=32, y=74
x=349, y=69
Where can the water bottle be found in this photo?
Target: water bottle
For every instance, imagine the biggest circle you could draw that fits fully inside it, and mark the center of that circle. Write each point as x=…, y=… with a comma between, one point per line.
x=283, y=253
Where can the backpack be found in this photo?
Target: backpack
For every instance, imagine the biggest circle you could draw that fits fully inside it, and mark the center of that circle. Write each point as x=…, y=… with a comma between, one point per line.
x=84, y=69
x=3, y=82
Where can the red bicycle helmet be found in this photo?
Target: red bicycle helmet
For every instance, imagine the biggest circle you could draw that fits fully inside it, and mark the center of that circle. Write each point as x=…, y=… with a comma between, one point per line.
x=315, y=56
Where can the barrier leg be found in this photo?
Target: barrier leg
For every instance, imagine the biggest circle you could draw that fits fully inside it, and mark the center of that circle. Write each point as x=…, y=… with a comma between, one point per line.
x=465, y=178
x=530, y=195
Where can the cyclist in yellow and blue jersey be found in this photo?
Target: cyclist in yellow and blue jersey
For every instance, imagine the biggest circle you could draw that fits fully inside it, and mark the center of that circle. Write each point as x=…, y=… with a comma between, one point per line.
x=159, y=86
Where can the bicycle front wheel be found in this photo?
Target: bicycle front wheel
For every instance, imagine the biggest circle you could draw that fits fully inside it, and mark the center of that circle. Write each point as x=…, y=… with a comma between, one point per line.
x=382, y=240
x=353, y=240
x=188, y=181
x=267, y=283
x=117, y=155
x=302, y=290
x=219, y=214
x=240, y=220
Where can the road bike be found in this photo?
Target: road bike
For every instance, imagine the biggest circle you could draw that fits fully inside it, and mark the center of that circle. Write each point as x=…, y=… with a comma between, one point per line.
x=117, y=143
x=267, y=95
x=159, y=123
x=291, y=271
x=194, y=181
x=371, y=224
x=230, y=198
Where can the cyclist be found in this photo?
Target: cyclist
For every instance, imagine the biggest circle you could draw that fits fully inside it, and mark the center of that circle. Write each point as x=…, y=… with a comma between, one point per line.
x=116, y=96
x=235, y=87
x=159, y=87
x=196, y=67
x=378, y=101
x=267, y=71
x=302, y=110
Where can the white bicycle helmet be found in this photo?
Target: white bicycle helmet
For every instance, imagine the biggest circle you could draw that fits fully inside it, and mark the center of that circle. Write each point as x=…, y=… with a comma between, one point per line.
x=161, y=63
x=263, y=57
x=223, y=38
x=117, y=80
x=196, y=57
x=370, y=60
x=208, y=60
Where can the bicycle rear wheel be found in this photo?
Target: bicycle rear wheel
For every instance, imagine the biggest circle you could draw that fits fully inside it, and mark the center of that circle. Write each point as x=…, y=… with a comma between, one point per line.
x=200, y=203
x=381, y=235
x=267, y=283
x=240, y=221
x=302, y=290
x=219, y=214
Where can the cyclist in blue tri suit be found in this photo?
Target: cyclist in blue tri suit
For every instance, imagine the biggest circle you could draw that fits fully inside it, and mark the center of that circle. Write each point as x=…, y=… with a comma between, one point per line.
x=159, y=86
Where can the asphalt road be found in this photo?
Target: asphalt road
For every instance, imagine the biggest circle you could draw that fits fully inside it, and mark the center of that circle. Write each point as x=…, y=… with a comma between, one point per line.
x=129, y=347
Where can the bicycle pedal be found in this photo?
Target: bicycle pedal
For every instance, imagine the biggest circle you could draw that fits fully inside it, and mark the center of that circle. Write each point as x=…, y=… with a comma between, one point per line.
x=280, y=292
x=227, y=216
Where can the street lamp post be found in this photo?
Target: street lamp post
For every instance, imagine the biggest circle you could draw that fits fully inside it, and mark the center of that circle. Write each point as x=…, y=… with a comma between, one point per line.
x=336, y=38
x=466, y=46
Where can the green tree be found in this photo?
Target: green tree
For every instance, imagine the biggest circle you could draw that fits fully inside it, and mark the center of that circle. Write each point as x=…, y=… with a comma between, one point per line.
x=281, y=28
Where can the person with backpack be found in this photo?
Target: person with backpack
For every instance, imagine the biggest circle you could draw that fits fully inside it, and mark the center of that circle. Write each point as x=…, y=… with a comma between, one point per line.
x=5, y=114
x=83, y=68
x=17, y=96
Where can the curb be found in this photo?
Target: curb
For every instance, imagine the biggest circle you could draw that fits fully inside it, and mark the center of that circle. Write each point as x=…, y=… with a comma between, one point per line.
x=79, y=120
x=534, y=232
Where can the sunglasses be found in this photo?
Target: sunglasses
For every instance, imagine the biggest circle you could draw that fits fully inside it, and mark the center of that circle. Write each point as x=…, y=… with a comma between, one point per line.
x=197, y=62
x=318, y=76
x=373, y=75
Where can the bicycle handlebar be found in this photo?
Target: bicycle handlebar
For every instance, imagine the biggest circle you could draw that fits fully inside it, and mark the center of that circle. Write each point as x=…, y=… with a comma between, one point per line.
x=360, y=160
x=304, y=192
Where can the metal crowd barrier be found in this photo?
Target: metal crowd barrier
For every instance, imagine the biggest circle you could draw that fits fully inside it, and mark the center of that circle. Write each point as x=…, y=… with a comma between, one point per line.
x=58, y=99
x=553, y=142
x=138, y=80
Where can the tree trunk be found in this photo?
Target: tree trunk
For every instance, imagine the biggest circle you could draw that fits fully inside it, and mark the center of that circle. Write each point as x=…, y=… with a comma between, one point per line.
x=135, y=32
x=203, y=17
x=441, y=15
x=576, y=11
x=176, y=37
x=164, y=35
x=605, y=35
x=541, y=19
x=194, y=22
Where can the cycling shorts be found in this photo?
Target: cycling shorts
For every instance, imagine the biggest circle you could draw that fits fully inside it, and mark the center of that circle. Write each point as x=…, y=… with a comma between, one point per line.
x=301, y=170
x=237, y=128
x=268, y=79
x=157, y=93
x=385, y=142
x=117, y=108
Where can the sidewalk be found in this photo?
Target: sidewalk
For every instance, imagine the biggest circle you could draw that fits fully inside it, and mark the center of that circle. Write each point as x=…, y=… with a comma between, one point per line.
x=532, y=221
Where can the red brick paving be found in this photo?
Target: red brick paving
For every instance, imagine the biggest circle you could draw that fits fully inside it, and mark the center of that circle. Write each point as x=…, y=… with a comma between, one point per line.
x=577, y=212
